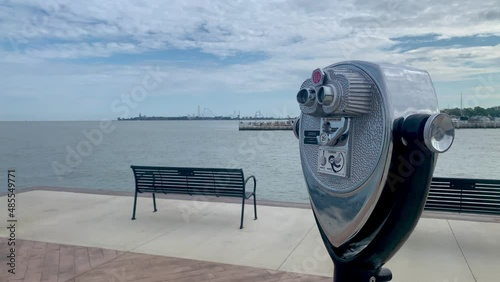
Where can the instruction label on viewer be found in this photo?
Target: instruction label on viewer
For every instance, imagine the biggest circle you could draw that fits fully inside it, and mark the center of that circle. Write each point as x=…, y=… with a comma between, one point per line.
x=332, y=161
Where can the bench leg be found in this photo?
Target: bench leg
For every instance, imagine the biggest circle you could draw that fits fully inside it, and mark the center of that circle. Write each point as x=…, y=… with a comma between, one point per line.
x=242, y=211
x=255, y=206
x=154, y=203
x=135, y=205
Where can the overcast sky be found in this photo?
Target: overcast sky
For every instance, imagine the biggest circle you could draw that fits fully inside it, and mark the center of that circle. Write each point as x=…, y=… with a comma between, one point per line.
x=81, y=60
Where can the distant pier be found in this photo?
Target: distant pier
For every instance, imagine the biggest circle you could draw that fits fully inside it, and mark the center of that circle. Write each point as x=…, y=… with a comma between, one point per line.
x=485, y=124
x=266, y=125
x=288, y=124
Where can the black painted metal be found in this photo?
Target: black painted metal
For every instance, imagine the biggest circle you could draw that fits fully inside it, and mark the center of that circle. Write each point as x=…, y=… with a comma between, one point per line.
x=460, y=195
x=396, y=213
x=218, y=182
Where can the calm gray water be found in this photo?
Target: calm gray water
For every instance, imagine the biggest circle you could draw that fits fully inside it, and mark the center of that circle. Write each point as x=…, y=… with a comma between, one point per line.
x=59, y=154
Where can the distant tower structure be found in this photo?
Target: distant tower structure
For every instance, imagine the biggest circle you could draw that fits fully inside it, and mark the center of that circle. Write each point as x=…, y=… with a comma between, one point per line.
x=208, y=113
x=258, y=114
x=461, y=105
x=199, y=113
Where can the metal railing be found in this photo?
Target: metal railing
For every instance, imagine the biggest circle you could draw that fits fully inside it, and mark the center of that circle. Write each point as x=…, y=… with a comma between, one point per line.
x=461, y=195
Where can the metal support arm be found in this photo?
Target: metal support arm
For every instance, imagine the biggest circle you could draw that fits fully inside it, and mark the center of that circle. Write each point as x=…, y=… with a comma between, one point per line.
x=244, y=198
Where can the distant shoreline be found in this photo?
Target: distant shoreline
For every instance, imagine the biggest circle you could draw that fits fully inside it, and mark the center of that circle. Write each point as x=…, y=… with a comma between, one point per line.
x=142, y=118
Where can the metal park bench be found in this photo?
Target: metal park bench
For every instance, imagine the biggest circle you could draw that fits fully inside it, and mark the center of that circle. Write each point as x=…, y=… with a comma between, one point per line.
x=218, y=182
x=459, y=195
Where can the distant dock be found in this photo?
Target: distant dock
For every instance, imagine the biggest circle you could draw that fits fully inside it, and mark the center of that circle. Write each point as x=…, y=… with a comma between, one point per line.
x=266, y=125
x=486, y=124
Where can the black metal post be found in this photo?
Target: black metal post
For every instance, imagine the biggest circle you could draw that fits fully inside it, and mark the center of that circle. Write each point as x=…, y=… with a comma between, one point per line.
x=255, y=206
x=154, y=203
x=343, y=273
x=242, y=210
x=135, y=205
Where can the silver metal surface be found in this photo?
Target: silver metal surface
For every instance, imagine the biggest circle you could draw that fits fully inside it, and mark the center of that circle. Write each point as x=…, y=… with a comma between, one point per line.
x=332, y=129
x=382, y=93
x=306, y=96
x=352, y=93
x=327, y=95
x=439, y=133
x=312, y=107
x=295, y=128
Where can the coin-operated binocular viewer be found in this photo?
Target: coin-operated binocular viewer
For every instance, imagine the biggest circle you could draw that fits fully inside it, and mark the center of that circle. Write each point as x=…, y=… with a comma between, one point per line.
x=369, y=138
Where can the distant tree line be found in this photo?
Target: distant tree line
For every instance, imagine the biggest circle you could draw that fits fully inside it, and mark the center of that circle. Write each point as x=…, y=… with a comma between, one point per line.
x=476, y=111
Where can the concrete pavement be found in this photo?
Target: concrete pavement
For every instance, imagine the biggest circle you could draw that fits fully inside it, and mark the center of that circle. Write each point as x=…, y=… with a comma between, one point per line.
x=283, y=238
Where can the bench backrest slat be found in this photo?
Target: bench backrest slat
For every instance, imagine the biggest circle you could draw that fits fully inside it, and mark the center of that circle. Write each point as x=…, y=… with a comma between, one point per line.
x=189, y=180
x=480, y=196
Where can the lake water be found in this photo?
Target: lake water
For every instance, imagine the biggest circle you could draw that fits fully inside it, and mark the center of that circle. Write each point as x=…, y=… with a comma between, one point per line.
x=60, y=154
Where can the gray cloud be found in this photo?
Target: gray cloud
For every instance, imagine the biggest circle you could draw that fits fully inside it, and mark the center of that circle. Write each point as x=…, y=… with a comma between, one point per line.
x=491, y=15
x=294, y=37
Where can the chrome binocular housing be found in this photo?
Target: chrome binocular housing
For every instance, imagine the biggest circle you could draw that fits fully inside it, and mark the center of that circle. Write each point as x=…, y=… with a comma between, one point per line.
x=369, y=136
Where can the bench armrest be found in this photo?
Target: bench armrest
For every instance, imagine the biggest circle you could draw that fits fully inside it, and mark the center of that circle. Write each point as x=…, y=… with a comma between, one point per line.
x=254, y=182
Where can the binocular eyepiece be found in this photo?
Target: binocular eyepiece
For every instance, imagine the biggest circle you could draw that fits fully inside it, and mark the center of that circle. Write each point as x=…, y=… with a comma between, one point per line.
x=339, y=92
x=306, y=97
x=369, y=136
